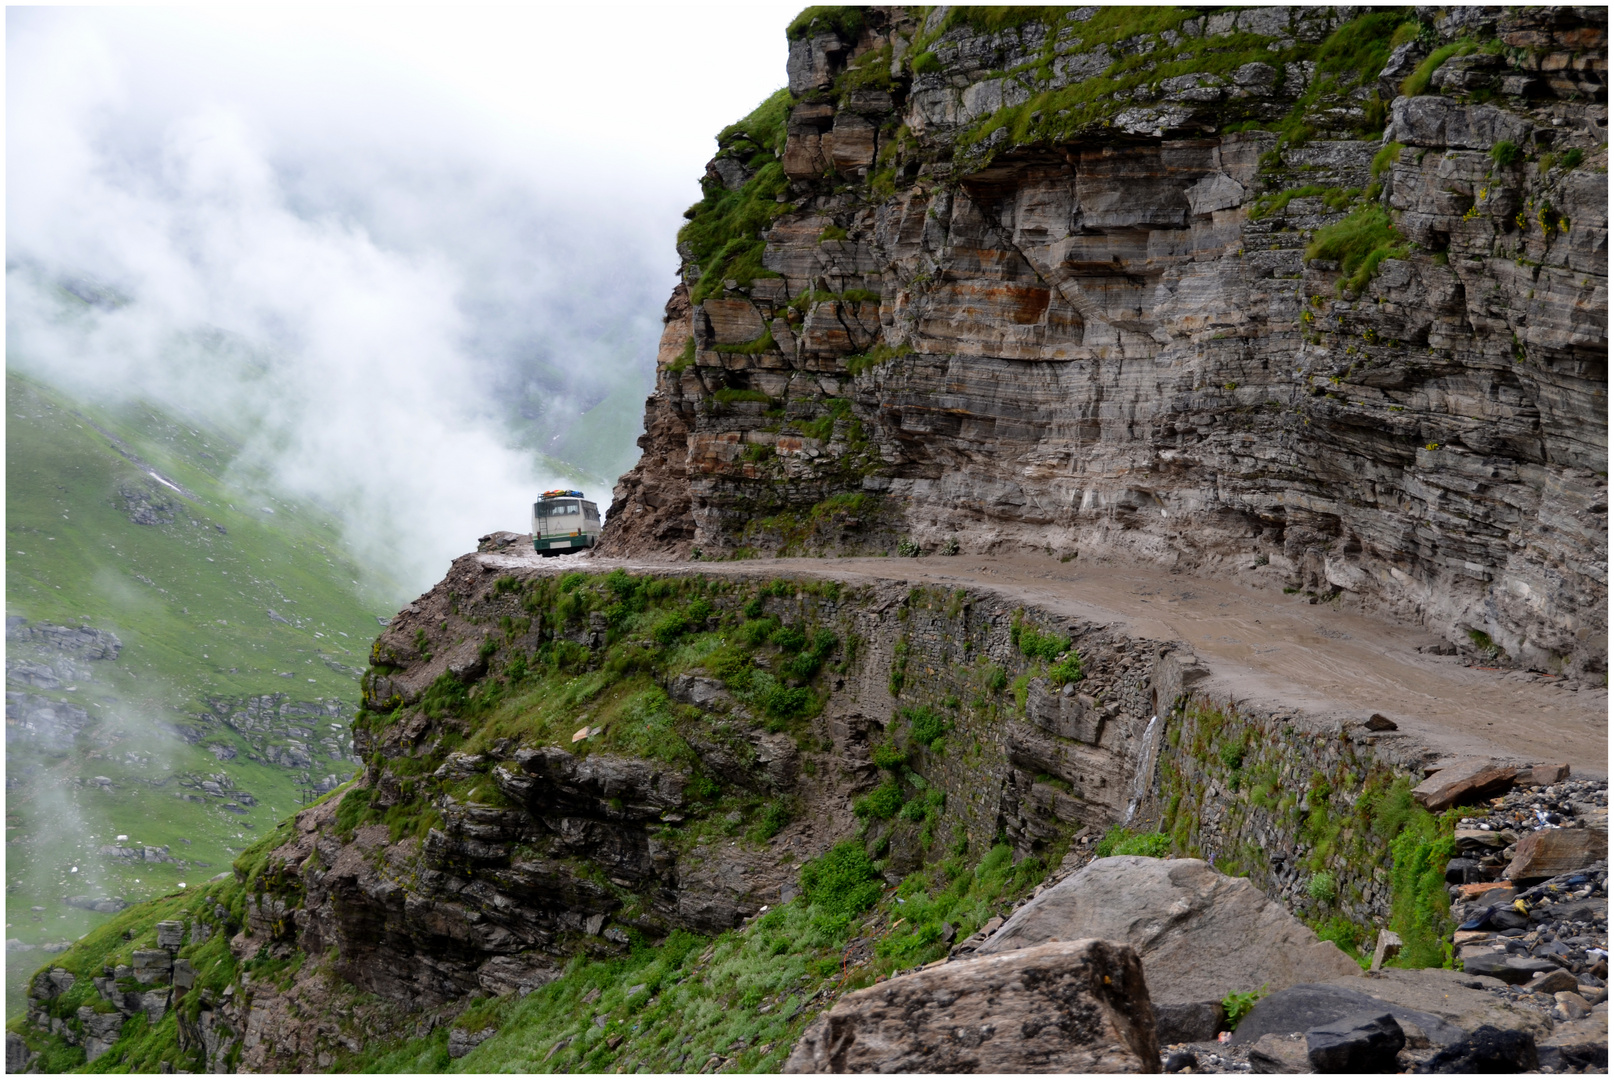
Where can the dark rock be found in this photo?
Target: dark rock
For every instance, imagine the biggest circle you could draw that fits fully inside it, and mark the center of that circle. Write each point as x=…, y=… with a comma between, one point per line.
x=1489, y=1050
x=1462, y=871
x=1364, y=1043
x=1177, y=1062
x=17, y=1053
x=1308, y=1006
x=462, y=1042
x=1510, y=969
x=1188, y=1021
x=1380, y=722
x=1506, y=918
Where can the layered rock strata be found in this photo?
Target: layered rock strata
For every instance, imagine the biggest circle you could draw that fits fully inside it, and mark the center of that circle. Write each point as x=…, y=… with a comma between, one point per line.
x=1022, y=284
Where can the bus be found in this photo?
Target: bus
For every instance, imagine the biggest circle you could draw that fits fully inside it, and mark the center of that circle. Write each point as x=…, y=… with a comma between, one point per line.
x=564, y=521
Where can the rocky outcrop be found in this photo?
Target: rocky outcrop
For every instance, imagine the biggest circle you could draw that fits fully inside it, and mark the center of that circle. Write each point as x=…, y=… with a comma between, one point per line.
x=1015, y=291
x=1069, y=1007
x=1201, y=935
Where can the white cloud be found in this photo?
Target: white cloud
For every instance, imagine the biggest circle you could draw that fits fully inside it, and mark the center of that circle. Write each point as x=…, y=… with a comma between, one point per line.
x=372, y=238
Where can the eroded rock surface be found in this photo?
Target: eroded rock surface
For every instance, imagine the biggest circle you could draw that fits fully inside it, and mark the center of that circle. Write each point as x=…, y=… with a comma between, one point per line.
x=1071, y=1006
x=980, y=322
x=1200, y=934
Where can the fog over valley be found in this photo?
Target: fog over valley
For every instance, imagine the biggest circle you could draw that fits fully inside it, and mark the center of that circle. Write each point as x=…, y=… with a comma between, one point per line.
x=416, y=269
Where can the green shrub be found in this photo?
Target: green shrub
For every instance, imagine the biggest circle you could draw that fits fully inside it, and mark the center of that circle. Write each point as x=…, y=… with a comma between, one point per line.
x=995, y=678
x=1360, y=242
x=789, y=638
x=1154, y=845
x=1068, y=670
x=1040, y=646
x=890, y=757
x=774, y=817
x=925, y=725
x=1232, y=754
x=1238, y=1004
x=1322, y=887
x=881, y=803
x=1506, y=152
x=925, y=63
x=1571, y=158
x=842, y=881
x=786, y=702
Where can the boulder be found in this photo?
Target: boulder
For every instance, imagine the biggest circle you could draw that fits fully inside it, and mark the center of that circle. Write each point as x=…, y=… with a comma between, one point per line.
x=1461, y=1001
x=1517, y=970
x=1580, y=1044
x=1542, y=775
x=1552, y=982
x=18, y=1056
x=1489, y=1050
x=1070, y=1006
x=1201, y=934
x=462, y=1042
x=170, y=934
x=1551, y=852
x=1311, y=1006
x=1280, y=1054
x=1463, y=783
x=1187, y=1021
x=1367, y=1043
x=152, y=965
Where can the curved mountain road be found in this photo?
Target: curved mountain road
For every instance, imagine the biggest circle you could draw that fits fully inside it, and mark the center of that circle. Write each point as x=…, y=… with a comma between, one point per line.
x=1262, y=647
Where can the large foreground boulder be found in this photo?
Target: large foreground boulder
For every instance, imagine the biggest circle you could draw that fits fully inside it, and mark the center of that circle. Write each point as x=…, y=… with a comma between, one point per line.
x=1072, y=1006
x=1200, y=934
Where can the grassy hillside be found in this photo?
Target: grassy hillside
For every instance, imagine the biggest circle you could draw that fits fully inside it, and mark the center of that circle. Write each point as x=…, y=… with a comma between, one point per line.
x=134, y=522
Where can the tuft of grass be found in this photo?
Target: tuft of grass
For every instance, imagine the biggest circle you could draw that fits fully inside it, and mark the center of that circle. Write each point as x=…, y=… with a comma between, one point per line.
x=1506, y=152
x=729, y=395
x=873, y=358
x=1388, y=155
x=1122, y=841
x=846, y=21
x=1416, y=83
x=1360, y=243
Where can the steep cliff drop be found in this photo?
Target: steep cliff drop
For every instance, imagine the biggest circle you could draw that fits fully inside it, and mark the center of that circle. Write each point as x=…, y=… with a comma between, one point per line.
x=1299, y=288
x=1145, y=315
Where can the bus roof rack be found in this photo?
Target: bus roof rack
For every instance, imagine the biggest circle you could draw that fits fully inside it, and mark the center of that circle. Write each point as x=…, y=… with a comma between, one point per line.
x=560, y=493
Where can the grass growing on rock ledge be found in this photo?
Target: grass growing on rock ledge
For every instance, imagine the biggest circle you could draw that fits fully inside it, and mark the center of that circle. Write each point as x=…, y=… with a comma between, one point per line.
x=737, y=1002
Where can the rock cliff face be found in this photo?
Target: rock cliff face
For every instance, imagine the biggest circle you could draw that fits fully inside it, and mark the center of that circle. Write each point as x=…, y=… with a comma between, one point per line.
x=1320, y=287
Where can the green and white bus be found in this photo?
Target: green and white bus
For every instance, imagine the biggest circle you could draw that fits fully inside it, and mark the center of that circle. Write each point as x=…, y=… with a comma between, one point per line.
x=564, y=521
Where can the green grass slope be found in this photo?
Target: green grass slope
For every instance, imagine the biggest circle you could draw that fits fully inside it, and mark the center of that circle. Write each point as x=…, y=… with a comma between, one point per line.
x=188, y=596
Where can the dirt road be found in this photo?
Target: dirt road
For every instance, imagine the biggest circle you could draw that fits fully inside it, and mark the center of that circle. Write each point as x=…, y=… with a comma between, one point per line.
x=1263, y=648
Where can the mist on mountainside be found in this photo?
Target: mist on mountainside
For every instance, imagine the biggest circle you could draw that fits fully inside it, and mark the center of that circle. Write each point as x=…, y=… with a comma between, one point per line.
x=404, y=309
